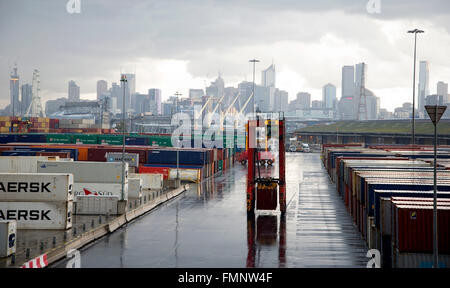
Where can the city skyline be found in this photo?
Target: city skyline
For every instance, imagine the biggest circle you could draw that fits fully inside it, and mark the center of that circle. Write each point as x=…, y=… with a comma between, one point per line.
x=306, y=59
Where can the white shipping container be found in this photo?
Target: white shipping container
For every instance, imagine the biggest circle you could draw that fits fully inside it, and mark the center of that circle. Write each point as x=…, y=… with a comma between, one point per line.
x=149, y=181
x=134, y=187
x=36, y=187
x=97, y=205
x=38, y=215
x=86, y=172
x=23, y=164
x=8, y=232
x=192, y=175
x=103, y=189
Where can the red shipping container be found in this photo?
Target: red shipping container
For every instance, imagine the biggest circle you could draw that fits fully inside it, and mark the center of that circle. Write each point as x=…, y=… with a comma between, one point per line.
x=266, y=196
x=415, y=228
x=155, y=170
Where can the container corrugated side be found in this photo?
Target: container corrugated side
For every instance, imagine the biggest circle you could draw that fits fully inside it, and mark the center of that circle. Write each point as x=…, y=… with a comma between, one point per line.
x=96, y=205
x=102, y=189
x=38, y=215
x=86, y=172
x=37, y=187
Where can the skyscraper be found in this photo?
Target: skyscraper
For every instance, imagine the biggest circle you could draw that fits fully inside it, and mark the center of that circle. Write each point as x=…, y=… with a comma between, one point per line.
x=423, y=85
x=329, y=96
x=130, y=89
x=74, y=91
x=102, y=89
x=27, y=93
x=442, y=90
x=303, y=100
x=347, y=103
x=14, y=92
x=155, y=101
x=348, y=81
x=268, y=76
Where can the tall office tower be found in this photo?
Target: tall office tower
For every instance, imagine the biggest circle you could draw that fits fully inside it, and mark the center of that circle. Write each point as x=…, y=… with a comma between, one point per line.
x=424, y=91
x=281, y=101
x=348, y=81
x=245, y=91
x=303, y=100
x=196, y=93
x=102, y=89
x=329, y=96
x=347, y=103
x=268, y=76
x=74, y=91
x=155, y=101
x=130, y=89
x=442, y=90
x=14, y=92
x=27, y=95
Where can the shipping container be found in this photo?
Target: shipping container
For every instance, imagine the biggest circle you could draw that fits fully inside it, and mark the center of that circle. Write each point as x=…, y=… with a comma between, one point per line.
x=8, y=236
x=97, y=205
x=59, y=138
x=86, y=172
x=99, y=153
x=134, y=188
x=131, y=158
x=140, y=141
x=415, y=230
x=419, y=260
x=37, y=187
x=186, y=157
x=38, y=215
x=100, y=189
x=149, y=181
x=191, y=175
x=164, y=171
x=22, y=164
x=85, y=139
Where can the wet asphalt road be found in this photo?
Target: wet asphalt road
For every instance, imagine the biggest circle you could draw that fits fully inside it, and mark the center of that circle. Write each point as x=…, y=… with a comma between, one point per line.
x=208, y=227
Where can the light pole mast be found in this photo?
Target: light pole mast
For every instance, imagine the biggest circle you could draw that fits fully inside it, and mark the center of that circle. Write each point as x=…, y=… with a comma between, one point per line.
x=413, y=140
x=123, y=79
x=178, y=142
x=253, y=90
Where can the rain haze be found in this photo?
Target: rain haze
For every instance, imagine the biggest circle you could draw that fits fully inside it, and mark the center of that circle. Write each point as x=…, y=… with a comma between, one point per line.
x=178, y=45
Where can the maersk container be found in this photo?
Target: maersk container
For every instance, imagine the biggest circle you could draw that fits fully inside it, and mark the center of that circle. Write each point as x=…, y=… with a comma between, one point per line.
x=189, y=157
x=8, y=238
x=37, y=187
x=38, y=215
x=20, y=164
x=86, y=172
x=131, y=158
x=149, y=181
x=100, y=189
x=97, y=205
x=99, y=154
x=31, y=138
x=134, y=188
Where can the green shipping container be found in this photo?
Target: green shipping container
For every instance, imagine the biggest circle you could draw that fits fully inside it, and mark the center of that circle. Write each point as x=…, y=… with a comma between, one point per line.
x=60, y=138
x=110, y=139
x=220, y=165
x=85, y=139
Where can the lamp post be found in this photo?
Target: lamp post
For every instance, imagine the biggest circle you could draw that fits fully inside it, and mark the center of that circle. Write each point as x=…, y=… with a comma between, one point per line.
x=123, y=79
x=415, y=31
x=435, y=112
x=253, y=90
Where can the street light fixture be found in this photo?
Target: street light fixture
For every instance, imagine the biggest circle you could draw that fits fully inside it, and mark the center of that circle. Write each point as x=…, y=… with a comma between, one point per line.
x=435, y=112
x=415, y=31
x=253, y=90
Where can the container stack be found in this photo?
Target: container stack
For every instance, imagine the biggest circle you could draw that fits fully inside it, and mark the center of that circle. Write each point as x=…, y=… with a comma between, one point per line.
x=389, y=193
x=37, y=201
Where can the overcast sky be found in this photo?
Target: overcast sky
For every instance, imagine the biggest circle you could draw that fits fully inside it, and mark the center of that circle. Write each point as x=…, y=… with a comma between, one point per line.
x=175, y=45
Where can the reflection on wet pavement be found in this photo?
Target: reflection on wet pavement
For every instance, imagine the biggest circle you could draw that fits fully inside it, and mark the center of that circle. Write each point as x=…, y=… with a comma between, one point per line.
x=208, y=227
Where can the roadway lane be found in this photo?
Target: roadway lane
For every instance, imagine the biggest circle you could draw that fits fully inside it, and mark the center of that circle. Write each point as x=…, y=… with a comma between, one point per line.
x=207, y=227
